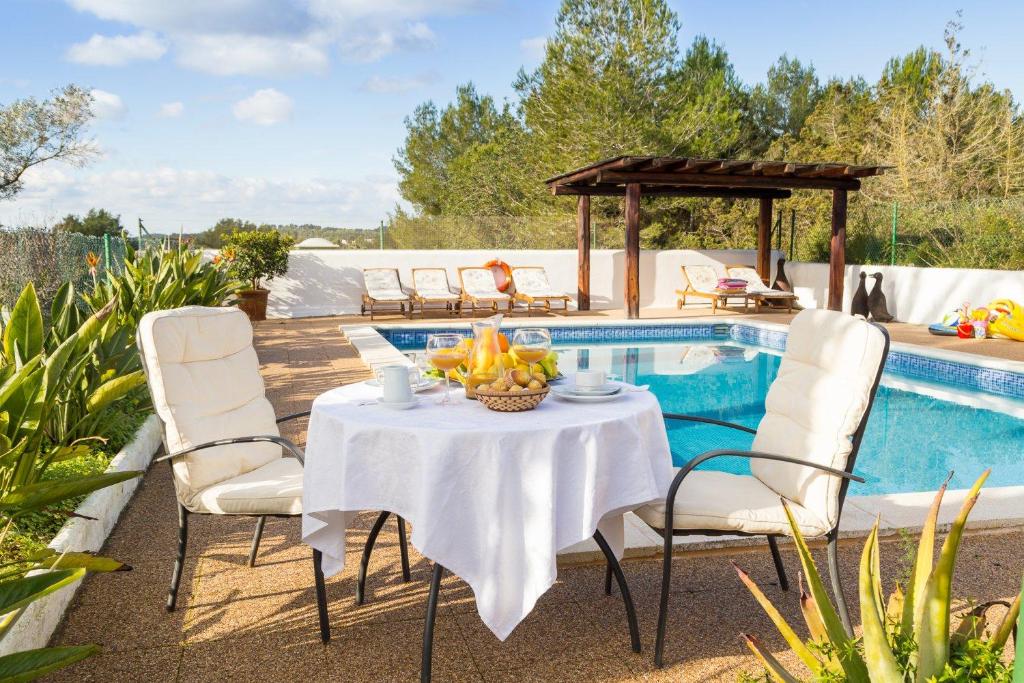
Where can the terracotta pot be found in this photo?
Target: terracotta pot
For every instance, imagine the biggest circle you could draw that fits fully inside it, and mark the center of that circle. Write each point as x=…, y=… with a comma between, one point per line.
x=254, y=303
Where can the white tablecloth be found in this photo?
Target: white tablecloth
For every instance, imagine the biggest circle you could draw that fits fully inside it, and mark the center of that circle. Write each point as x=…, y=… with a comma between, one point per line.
x=491, y=496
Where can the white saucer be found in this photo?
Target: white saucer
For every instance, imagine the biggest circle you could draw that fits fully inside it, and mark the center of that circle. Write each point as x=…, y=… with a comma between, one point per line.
x=568, y=395
x=404, y=405
x=603, y=390
x=424, y=384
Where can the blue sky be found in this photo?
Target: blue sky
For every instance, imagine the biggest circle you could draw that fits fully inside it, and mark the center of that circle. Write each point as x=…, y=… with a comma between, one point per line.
x=291, y=110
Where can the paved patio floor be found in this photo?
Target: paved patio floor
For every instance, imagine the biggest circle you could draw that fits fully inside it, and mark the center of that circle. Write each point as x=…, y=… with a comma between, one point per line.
x=240, y=624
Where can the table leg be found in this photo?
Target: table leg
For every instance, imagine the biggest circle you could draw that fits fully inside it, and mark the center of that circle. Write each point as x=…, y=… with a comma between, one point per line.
x=428, y=626
x=364, y=563
x=613, y=563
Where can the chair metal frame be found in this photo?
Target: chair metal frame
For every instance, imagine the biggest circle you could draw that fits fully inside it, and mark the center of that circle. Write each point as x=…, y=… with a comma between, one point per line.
x=831, y=537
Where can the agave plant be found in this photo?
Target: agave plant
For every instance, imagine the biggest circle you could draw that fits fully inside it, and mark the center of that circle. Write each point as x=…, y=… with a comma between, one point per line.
x=56, y=387
x=906, y=638
x=159, y=278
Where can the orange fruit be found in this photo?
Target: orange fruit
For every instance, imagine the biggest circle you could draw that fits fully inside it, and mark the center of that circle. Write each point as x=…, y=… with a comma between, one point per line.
x=502, y=342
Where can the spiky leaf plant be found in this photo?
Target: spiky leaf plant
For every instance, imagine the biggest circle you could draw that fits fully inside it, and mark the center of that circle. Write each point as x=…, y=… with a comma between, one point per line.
x=905, y=638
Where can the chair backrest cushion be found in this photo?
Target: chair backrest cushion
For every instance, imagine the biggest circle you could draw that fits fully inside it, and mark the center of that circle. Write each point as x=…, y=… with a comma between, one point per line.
x=750, y=276
x=532, y=281
x=382, y=281
x=701, y=278
x=431, y=281
x=205, y=381
x=815, y=405
x=479, y=282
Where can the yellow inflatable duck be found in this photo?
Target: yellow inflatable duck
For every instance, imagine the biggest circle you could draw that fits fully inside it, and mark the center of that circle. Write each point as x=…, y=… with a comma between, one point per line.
x=1007, y=319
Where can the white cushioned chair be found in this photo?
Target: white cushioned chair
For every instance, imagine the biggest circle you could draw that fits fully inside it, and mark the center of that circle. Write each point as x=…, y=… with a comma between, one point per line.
x=803, y=451
x=219, y=430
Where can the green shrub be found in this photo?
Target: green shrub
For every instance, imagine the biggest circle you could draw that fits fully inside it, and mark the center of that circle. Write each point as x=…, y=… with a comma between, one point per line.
x=257, y=255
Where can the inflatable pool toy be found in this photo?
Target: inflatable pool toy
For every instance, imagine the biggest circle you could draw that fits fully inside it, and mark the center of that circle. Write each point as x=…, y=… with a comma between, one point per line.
x=1006, y=319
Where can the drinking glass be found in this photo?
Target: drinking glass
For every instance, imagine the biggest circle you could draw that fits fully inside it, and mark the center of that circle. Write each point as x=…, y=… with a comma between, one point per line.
x=446, y=352
x=532, y=344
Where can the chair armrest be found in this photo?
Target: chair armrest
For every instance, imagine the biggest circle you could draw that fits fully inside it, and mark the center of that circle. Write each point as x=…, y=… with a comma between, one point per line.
x=293, y=416
x=279, y=440
x=708, y=420
x=670, y=500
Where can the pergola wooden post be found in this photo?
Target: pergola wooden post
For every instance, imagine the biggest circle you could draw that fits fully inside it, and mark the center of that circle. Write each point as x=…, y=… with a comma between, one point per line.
x=631, y=295
x=766, y=181
x=764, y=238
x=583, y=252
x=837, y=251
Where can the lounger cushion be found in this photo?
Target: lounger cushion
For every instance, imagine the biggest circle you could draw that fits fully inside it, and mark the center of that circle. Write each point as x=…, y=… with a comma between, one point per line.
x=719, y=501
x=702, y=278
x=534, y=282
x=206, y=385
x=815, y=404
x=274, y=489
x=432, y=283
x=755, y=285
x=479, y=283
x=383, y=284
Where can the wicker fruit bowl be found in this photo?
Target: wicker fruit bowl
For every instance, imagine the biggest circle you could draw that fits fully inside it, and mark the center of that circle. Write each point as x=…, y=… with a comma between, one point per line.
x=511, y=402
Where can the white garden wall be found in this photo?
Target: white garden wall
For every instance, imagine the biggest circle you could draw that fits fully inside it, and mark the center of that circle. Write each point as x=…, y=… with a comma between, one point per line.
x=330, y=281
x=913, y=295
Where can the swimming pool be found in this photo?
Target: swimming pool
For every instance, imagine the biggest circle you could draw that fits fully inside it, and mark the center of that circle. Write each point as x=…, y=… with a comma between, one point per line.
x=923, y=425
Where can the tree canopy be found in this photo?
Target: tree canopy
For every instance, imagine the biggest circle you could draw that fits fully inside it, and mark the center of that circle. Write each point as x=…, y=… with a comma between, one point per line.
x=615, y=80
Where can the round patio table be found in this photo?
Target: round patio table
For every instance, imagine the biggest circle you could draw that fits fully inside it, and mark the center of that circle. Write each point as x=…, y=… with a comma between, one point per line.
x=491, y=496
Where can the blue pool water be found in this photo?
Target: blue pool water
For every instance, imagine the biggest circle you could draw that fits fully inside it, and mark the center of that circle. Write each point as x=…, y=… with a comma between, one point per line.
x=912, y=440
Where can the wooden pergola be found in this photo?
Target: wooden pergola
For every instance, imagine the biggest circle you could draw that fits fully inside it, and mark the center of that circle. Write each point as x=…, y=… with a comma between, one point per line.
x=634, y=176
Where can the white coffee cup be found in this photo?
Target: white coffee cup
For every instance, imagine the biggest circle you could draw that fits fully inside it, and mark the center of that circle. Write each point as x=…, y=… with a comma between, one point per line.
x=395, y=381
x=589, y=380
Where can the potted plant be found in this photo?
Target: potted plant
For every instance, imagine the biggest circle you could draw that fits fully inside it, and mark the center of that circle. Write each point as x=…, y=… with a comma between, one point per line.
x=257, y=256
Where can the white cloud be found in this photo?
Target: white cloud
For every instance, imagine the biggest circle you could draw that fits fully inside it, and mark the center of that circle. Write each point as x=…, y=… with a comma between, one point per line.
x=281, y=37
x=232, y=55
x=167, y=197
x=264, y=107
x=117, y=50
x=533, y=48
x=107, y=105
x=397, y=84
x=172, y=110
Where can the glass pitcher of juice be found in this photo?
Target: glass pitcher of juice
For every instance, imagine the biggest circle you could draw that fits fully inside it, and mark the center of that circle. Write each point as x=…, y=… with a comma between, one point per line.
x=485, y=363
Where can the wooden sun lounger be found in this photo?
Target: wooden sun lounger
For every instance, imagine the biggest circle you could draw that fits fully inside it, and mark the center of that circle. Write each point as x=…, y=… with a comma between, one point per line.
x=426, y=293
x=390, y=293
x=479, y=296
x=756, y=287
x=717, y=296
x=537, y=296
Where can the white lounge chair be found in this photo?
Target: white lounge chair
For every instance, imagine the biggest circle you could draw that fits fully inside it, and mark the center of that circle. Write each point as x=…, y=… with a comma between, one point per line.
x=220, y=434
x=430, y=286
x=702, y=281
x=478, y=288
x=532, y=286
x=757, y=288
x=384, y=289
x=803, y=451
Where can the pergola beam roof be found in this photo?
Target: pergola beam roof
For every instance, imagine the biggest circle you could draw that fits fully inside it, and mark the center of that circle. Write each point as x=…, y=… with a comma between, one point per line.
x=610, y=176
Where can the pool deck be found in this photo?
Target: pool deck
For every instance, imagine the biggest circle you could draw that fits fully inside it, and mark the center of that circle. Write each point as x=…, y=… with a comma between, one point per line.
x=236, y=623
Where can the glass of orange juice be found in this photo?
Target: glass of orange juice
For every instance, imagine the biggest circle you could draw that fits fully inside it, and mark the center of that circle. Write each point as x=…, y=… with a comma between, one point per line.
x=445, y=353
x=532, y=344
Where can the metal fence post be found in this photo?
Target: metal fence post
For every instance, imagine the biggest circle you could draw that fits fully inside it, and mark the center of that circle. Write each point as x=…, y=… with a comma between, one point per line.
x=106, y=254
x=792, y=231
x=895, y=222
